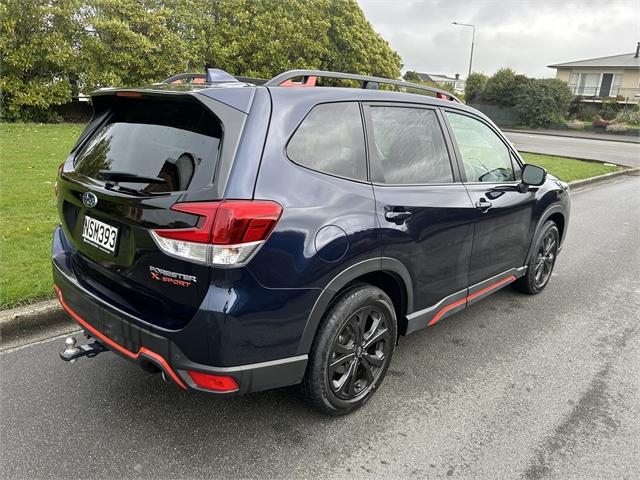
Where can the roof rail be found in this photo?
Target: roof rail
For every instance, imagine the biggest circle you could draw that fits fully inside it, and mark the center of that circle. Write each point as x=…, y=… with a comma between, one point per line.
x=367, y=81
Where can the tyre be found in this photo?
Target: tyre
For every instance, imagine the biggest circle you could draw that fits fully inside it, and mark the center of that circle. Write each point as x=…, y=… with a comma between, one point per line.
x=542, y=261
x=352, y=351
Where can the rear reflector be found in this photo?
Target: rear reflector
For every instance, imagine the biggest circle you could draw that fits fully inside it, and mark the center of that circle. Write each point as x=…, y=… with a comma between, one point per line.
x=227, y=234
x=217, y=383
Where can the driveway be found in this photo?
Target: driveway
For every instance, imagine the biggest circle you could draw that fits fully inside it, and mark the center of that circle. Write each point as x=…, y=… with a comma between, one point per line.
x=621, y=153
x=516, y=386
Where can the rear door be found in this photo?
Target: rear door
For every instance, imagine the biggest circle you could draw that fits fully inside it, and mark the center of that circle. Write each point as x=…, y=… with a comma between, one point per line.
x=146, y=154
x=424, y=212
x=503, y=214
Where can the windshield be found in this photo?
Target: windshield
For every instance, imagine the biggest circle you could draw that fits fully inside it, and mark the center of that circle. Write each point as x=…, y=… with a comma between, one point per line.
x=175, y=141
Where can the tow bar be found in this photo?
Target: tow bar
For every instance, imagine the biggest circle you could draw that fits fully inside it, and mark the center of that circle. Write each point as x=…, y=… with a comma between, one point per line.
x=71, y=353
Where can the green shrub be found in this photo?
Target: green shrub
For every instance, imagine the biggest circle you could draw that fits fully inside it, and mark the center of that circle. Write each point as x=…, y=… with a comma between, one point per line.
x=541, y=102
x=474, y=87
x=502, y=87
x=579, y=110
x=609, y=109
x=575, y=125
x=617, y=128
x=498, y=85
x=631, y=117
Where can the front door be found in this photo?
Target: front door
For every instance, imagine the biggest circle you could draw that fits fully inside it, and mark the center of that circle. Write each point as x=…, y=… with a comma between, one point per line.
x=503, y=213
x=425, y=215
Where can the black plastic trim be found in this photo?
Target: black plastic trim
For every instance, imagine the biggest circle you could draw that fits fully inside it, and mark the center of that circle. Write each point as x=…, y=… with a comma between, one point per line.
x=554, y=208
x=419, y=320
x=113, y=324
x=328, y=294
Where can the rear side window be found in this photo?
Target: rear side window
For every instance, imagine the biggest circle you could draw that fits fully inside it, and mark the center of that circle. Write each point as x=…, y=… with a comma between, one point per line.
x=331, y=140
x=409, y=146
x=176, y=142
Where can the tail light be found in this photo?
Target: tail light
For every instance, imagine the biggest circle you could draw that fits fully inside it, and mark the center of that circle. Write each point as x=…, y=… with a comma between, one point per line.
x=228, y=233
x=217, y=383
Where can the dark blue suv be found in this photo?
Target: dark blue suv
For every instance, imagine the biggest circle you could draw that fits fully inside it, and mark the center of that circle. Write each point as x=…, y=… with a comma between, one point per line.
x=241, y=237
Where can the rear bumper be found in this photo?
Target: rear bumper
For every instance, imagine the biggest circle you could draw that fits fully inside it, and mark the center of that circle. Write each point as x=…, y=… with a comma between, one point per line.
x=121, y=334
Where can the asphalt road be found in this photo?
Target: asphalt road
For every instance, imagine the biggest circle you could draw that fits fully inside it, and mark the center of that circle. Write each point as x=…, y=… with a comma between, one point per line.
x=621, y=153
x=514, y=387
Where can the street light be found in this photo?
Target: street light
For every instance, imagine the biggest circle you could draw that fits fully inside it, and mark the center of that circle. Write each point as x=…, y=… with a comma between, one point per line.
x=473, y=38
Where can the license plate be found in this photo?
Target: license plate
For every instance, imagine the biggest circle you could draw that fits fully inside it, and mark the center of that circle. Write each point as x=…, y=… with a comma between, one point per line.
x=100, y=234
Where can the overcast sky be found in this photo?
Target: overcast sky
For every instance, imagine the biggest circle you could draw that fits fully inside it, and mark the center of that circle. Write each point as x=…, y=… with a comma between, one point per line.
x=524, y=35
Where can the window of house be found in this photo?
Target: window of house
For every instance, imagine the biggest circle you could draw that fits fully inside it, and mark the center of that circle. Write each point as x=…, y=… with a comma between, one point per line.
x=331, y=140
x=595, y=84
x=588, y=84
x=409, y=147
x=616, y=84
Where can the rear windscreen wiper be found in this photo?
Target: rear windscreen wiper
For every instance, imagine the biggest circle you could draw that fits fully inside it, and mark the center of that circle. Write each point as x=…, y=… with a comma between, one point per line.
x=128, y=177
x=142, y=193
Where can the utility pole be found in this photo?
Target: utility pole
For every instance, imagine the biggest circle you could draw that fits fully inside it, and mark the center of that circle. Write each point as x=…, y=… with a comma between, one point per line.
x=473, y=39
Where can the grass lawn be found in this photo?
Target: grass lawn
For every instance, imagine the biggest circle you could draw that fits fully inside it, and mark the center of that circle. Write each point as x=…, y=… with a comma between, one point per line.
x=568, y=169
x=29, y=159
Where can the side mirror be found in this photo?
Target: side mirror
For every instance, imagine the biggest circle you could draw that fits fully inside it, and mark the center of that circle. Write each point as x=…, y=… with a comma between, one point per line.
x=533, y=175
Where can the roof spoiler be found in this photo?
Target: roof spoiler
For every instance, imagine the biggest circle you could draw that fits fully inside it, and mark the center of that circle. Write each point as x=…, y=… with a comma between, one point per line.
x=212, y=76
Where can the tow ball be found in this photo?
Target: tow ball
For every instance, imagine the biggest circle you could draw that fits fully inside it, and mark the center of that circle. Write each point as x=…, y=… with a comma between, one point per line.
x=72, y=352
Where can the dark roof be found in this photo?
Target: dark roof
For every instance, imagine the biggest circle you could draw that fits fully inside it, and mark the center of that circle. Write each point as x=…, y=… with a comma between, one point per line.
x=626, y=60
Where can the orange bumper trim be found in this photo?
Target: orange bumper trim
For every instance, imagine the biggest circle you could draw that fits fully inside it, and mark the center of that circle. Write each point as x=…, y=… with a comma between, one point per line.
x=143, y=351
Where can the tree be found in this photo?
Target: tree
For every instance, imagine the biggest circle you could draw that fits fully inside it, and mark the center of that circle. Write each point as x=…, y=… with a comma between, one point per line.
x=474, y=87
x=541, y=102
x=38, y=46
x=53, y=49
x=411, y=76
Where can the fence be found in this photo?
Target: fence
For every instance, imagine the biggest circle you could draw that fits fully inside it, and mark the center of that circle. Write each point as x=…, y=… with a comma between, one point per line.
x=502, y=116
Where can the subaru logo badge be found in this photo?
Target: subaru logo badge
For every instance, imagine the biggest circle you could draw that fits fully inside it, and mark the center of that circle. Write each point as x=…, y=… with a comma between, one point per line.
x=89, y=199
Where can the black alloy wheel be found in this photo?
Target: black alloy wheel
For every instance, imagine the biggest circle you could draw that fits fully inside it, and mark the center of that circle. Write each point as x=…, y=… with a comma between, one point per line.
x=352, y=350
x=358, y=353
x=542, y=260
x=545, y=259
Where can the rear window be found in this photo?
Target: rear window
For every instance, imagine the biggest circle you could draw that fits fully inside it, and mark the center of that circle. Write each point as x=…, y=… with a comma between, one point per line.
x=175, y=142
x=331, y=140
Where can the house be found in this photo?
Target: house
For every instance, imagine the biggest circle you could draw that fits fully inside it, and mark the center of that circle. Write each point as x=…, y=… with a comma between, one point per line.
x=598, y=79
x=456, y=82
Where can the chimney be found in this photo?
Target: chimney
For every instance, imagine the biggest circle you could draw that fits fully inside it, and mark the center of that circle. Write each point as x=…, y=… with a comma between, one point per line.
x=458, y=75
x=637, y=51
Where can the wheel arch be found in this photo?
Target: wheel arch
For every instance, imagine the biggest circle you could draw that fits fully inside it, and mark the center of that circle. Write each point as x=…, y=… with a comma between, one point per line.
x=557, y=214
x=388, y=274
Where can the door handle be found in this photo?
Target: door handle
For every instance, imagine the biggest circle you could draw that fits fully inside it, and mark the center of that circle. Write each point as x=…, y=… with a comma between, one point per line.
x=397, y=217
x=483, y=205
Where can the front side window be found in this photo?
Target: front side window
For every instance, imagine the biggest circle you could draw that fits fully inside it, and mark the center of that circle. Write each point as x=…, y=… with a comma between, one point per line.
x=485, y=157
x=331, y=140
x=409, y=146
